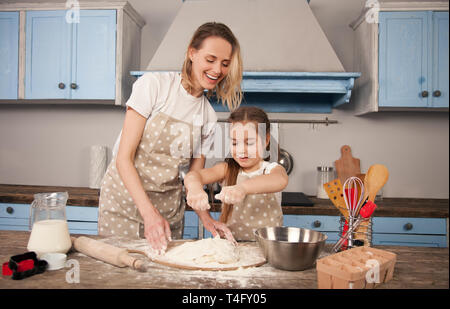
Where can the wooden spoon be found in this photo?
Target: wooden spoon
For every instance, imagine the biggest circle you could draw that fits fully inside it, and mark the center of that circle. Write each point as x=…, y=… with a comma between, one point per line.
x=376, y=177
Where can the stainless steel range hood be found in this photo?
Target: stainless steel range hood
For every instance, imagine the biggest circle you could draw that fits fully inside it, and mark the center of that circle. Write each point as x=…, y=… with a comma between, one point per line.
x=287, y=56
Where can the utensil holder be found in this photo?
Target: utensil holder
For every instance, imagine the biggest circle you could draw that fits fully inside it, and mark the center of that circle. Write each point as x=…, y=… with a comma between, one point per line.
x=363, y=232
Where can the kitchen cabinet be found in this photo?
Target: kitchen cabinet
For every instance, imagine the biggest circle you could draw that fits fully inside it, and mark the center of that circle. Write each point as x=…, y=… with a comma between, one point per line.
x=390, y=231
x=423, y=232
x=80, y=220
x=328, y=225
x=403, y=59
x=9, y=54
x=325, y=224
x=191, y=221
x=79, y=55
x=70, y=60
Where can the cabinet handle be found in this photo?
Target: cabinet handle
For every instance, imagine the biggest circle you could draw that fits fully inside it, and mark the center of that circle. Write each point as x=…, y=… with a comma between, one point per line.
x=317, y=223
x=10, y=210
x=61, y=85
x=73, y=86
x=424, y=94
x=437, y=93
x=408, y=226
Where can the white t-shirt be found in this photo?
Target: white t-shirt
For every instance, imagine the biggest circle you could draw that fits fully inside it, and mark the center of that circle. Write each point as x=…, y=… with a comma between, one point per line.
x=150, y=96
x=265, y=169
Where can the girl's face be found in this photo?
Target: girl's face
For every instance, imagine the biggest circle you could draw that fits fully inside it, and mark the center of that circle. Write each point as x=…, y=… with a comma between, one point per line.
x=247, y=147
x=210, y=63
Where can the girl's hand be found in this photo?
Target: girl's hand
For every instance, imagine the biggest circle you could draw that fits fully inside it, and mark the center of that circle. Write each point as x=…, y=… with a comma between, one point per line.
x=197, y=199
x=216, y=227
x=157, y=231
x=232, y=194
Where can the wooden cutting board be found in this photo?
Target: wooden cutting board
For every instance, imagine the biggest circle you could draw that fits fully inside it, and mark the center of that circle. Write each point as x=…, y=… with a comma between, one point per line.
x=347, y=166
x=244, y=263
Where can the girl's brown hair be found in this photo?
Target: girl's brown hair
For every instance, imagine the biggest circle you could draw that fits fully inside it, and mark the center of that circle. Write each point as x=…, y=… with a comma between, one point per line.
x=242, y=114
x=228, y=90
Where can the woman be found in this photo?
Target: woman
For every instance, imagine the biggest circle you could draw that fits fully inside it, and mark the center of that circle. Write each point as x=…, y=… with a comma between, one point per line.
x=141, y=191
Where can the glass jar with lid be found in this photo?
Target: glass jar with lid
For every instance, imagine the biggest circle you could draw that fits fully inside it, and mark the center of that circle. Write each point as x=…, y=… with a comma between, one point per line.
x=324, y=174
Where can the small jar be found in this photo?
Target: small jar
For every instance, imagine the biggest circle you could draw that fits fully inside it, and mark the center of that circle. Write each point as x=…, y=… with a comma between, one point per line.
x=324, y=174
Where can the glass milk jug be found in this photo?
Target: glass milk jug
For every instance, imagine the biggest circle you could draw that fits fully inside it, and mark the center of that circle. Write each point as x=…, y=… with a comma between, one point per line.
x=48, y=224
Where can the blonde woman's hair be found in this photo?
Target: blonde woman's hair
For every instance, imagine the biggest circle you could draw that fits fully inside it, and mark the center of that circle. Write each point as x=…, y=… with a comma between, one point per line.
x=228, y=90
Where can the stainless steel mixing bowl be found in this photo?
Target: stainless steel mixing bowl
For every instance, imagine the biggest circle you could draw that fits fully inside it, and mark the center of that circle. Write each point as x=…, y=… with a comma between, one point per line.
x=290, y=248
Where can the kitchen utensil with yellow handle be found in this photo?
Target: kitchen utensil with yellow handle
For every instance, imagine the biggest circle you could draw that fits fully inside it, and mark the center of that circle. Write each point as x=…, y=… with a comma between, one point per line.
x=335, y=193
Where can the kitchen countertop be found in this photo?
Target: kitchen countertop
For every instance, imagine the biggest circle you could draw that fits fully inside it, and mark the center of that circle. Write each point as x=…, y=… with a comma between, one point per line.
x=388, y=207
x=416, y=268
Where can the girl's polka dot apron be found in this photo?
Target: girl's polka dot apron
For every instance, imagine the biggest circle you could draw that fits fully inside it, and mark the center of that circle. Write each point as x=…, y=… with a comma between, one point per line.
x=166, y=144
x=256, y=211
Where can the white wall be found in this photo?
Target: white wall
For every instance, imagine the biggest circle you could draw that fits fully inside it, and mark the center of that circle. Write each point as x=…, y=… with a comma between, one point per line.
x=49, y=145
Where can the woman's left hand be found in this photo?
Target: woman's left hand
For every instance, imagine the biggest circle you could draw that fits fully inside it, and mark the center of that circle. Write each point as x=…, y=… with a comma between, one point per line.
x=231, y=194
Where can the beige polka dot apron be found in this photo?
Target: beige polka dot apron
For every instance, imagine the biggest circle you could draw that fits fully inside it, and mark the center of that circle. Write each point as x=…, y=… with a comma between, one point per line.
x=166, y=144
x=256, y=211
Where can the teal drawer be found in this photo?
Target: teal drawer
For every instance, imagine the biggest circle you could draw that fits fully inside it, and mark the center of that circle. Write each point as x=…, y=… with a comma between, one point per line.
x=80, y=220
x=439, y=241
x=434, y=226
x=333, y=237
x=14, y=224
x=8, y=210
x=80, y=213
x=190, y=218
x=206, y=233
x=317, y=223
x=75, y=227
x=190, y=225
x=190, y=232
x=73, y=213
x=13, y=227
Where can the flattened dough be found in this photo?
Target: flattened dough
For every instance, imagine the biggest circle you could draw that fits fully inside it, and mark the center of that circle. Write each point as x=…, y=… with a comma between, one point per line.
x=204, y=251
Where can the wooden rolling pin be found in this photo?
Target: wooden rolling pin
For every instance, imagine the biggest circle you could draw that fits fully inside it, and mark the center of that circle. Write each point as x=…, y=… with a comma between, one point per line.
x=106, y=253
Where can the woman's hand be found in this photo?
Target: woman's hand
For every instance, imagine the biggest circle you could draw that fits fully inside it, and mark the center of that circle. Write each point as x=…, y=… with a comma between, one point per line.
x=216, y=227
x=157, y=231
x=232, y=194
x=197, y=199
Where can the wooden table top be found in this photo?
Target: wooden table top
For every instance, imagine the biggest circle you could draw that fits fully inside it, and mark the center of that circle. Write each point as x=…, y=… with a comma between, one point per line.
x=388, y=207
x=416, y=268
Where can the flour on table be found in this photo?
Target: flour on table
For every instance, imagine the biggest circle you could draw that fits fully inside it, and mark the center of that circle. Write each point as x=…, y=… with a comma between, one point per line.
x=204, y=254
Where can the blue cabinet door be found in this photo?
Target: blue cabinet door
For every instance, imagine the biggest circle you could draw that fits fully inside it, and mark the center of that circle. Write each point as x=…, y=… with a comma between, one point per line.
x=9, y=54
x=440, y=60
x=48, y=53
x=70, y=60
x=403, y=59
x=94, y=55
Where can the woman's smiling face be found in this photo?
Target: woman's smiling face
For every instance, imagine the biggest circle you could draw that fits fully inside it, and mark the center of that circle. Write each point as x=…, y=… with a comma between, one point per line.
x=210, y=63
x=247, y=147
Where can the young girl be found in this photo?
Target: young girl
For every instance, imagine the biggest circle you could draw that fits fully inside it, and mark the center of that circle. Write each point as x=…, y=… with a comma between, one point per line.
x=141, y=193
x=251, y=191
